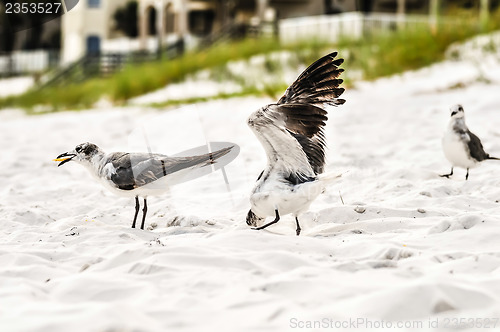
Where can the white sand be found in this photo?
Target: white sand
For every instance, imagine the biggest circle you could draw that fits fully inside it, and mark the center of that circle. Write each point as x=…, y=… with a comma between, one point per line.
x=424, y=249
x=15, y=85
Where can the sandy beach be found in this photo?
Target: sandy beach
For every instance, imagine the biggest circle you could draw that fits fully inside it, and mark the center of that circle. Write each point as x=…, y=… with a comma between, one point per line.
x=390, y=243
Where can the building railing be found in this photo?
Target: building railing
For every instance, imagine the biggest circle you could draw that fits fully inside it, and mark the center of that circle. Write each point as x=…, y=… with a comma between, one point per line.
x=26, y=62
x=105, y=64
x=351, y=25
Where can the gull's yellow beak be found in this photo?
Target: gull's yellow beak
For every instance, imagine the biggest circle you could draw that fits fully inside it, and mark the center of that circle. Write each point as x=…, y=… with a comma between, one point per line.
x=64, y=158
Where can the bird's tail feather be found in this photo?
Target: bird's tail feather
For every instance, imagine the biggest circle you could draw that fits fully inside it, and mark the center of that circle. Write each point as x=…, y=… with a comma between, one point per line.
x=191, y=167
x=219, y=153
x=211, y=157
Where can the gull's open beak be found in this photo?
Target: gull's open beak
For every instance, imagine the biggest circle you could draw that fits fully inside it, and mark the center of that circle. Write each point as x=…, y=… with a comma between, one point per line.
x=64, y=158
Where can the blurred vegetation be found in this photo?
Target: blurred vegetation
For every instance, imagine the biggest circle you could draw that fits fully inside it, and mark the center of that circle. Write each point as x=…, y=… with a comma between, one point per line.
x=139, y=79
x=375, y=55
x=383, y=54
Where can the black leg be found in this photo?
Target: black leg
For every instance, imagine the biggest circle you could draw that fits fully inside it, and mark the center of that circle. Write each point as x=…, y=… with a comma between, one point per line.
x=447, y=175
x=298, y=226
x=270, y=223
x=136, y=211
x=467, y=175
x=144, y=211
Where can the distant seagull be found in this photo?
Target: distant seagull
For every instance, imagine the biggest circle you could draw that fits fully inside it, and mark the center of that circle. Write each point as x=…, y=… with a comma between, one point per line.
x=461, y=147
x=137, y=174
x=291, y=133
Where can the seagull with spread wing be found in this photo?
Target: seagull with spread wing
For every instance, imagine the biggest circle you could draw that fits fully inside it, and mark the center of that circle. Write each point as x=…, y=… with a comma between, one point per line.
x=291, y=132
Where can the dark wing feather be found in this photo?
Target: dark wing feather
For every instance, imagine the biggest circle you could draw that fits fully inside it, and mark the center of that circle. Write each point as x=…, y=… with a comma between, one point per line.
x=304, y=119
x=123, y=177
x=318, y=84
x=133, y=170
x=303, y=106
x=476, y=148
x=291, y=131
x=315, y=150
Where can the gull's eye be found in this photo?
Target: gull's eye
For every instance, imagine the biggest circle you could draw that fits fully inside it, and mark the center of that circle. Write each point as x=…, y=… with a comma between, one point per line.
x=460, y=109
x=78, y=149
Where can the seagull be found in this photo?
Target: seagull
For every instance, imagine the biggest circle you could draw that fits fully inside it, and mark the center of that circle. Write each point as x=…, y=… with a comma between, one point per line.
x=291, y=132
x=460, y=146
x=137, y=174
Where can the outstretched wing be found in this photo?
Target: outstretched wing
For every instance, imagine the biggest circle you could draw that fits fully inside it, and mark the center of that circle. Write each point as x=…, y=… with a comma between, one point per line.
x=318, y=84
x=133, y=170
x=291, y=131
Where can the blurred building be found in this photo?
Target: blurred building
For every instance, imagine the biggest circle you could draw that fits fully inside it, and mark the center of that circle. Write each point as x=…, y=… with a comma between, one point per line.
x=204, y=17
x=109, y=27
x=390, y=6
x=200, y=18
x=91, y=28
x=86, y=26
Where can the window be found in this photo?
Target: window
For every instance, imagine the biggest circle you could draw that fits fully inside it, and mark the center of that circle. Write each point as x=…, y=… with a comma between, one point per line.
x=94, y=3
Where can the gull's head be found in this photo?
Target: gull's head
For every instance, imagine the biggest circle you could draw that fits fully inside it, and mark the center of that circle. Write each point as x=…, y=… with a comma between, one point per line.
x=83, y=153
x=457, y=112
x=253, y=219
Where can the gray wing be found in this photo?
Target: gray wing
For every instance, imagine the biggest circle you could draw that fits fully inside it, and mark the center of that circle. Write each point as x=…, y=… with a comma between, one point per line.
x=476, y=147
x=133, y=170
x=291, y=131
